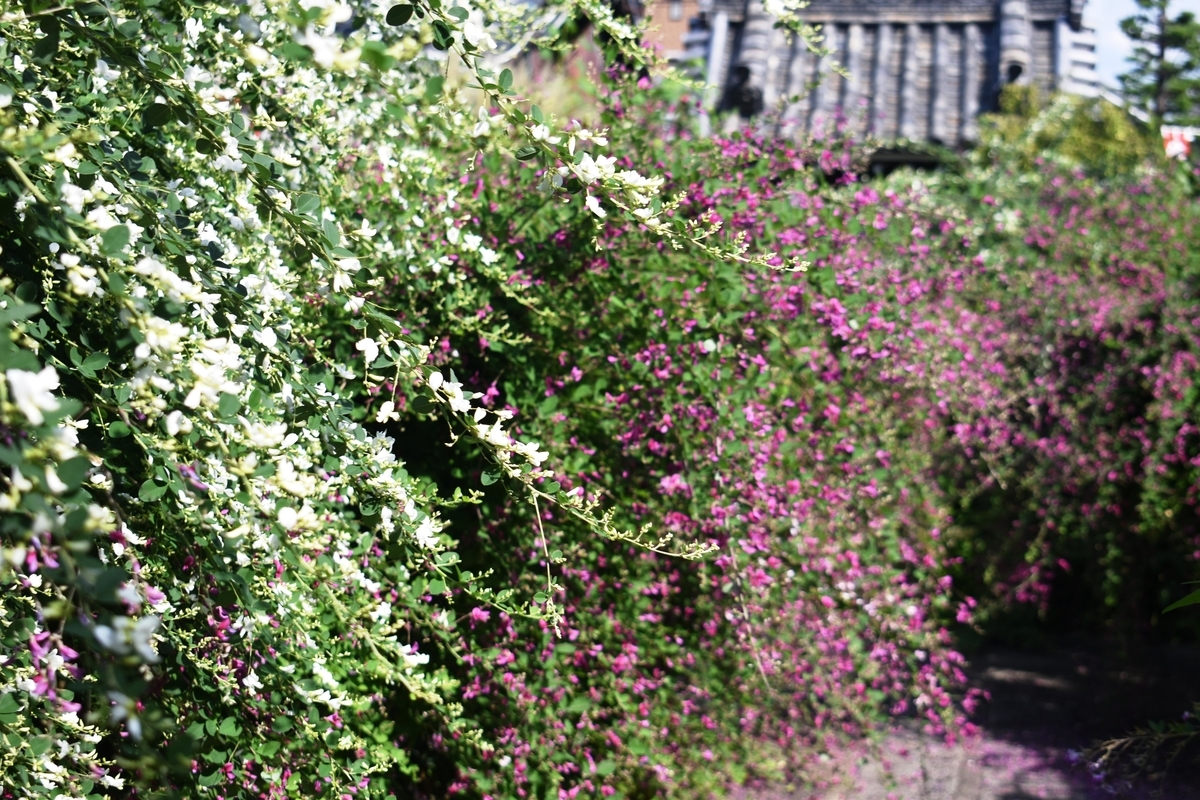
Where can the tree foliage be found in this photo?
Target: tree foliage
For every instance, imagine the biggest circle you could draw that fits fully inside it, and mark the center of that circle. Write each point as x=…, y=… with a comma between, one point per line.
x=1164, y=79
x=1070, y=131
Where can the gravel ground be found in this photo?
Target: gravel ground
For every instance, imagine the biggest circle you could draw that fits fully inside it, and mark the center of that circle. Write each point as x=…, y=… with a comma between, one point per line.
x=1045, y=708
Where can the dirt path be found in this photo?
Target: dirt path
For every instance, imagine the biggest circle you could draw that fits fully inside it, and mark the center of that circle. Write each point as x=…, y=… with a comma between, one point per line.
x=1045, y=708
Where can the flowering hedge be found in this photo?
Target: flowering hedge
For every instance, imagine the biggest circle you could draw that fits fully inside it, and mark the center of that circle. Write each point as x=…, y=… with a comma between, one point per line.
x=216, y=578
x=262, y=265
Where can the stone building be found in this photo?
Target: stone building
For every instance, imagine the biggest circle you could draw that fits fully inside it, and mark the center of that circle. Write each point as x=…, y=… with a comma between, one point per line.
x=918, y=69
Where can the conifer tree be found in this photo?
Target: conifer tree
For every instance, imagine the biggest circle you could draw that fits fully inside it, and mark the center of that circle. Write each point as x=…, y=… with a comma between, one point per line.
x=1165, y=75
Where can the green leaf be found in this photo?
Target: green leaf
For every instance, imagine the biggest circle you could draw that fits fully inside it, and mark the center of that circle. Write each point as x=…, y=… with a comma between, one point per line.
x=228, y=405
x=114, y=240
x=229, y=727
x=579, y=705
x=47, y=47
x=606, y=767
x=17, y=312
x=488, y=478
x=436, y=586
x=536, y=114
x=423, y=405
x=525, y=153
x=443, y=35
x=333, y=233
x=398, y=15
x=151, y=491
x=95, y=361
x=156, y=115
x=71, y=472
x=307, y=204
x=375, y=54
x=282, y=724
x=1191, y=600
x=506, y=79
x=459, y=13
x=433, y=89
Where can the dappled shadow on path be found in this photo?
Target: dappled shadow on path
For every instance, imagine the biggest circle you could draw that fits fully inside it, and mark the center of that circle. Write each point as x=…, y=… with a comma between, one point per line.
x=1045, y=709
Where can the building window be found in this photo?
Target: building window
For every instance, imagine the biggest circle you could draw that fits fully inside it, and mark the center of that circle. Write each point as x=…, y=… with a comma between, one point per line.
x=675, y=10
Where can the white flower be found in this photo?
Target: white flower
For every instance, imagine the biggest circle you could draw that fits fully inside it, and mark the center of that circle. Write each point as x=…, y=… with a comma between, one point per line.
x=192, y=29
x=266, y=337
x=53, y=482
x=425, y=534
x=66, y=438
x=142, y=636
x=435, y=380
x=251, y=682
x=31, y=392
x=124, y=634
x=541, y=133
x=287, y=517
x=112, y=781
x=387, y=411
x=83, y=281
x=593, y=205
x=455, y=397
x=590, y=170
x=125, y=708
x=484, y=126
x=257, y=56
x=343, y=273
x=73, y=197
x=325, y=49
x=262, y=435
x=478, y=36
x=411, y=657
x=177, y=423
x=227, y=164
x=103, y=74
x=102, y=219
x=369, y=349
x=355, y=304
x=194, y=75
x=163, y=335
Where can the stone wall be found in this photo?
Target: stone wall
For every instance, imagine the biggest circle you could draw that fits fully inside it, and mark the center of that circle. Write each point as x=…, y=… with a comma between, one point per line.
x=921, y=70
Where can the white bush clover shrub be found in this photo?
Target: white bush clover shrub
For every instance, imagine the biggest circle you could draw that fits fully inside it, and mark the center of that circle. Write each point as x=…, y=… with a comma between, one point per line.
x=213, y=577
